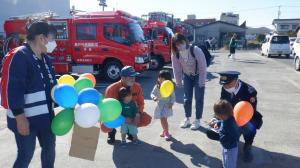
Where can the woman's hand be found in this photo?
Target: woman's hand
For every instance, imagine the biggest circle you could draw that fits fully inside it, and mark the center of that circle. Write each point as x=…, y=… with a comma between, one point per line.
x=22, y=125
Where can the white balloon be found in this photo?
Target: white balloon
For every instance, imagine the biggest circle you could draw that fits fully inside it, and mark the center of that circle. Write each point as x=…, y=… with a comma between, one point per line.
x=52, y=92
x=87, y=115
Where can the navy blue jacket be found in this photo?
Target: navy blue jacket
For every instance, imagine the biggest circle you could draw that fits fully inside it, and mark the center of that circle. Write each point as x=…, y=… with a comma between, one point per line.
x=229, y=133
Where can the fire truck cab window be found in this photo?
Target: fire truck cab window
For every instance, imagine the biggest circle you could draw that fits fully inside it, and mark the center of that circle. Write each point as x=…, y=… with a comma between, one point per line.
x=86, y=31
x=62, y=30
x=116, y=32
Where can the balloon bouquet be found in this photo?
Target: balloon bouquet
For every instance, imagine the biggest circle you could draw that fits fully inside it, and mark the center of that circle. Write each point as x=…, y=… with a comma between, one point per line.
x=83, y=105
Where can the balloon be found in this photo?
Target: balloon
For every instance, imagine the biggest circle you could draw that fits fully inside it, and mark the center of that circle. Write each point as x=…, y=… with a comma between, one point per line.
x=243, y=112
x=66, y=79
x=63, y=122
x=104, y=128
x=87, y=115
x=116, y=123
x=91, y=77
x=88, y=95
x=82, y=83
x=110, y=109
x=65, y=96
x=52, y=93
x=166, y=88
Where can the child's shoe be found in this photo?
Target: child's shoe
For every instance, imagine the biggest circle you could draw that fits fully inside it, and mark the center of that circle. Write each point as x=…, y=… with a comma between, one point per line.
x=123, y=144
x=167, y=136
x=136, y=142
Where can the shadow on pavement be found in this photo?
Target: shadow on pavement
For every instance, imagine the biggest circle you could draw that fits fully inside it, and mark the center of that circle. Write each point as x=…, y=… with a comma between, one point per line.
x=144, y=156
x=198, y=157
x=251, y=61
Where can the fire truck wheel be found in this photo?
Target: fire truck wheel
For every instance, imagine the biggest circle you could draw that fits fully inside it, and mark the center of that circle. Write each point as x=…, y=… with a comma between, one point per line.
x=156, y=63
x=112, y=71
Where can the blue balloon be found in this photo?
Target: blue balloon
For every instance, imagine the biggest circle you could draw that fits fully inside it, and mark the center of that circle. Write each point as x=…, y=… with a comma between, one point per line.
x=116, y=123
x=89, y=95
x=65, y=96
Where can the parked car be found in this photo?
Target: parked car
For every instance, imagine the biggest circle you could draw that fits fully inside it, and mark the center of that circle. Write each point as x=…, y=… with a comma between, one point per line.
x=276, y=45
x=296, y=47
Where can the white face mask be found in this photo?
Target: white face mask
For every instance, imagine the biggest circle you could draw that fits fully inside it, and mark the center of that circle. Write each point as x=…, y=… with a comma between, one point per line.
x=230, y=90
x=233, y=89
x=182, y=47
x=51, y=46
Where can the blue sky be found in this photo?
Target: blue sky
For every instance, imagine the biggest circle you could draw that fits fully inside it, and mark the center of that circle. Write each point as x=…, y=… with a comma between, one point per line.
x=257, y=13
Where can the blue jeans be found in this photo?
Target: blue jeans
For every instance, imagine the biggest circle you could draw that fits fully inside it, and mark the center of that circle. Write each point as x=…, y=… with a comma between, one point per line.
x=26, y=147
x=249, y=132
x=230, y=157
x=191, y=83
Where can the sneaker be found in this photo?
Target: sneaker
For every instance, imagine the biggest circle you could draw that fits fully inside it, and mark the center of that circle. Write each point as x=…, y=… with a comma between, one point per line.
x=111, y=137
x=195, y=125
x=123, y=144
x=185, y=123
x=162, y=134
x=167, y=136
x=136, y=142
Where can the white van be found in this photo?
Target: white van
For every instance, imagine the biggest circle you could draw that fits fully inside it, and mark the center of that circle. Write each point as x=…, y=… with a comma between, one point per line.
x=276, y=45
x=296, y=47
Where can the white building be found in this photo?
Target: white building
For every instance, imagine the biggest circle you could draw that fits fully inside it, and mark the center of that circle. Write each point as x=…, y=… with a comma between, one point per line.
x=286, y=25
x=191, y=16
x=230, y=17
x=10, y=8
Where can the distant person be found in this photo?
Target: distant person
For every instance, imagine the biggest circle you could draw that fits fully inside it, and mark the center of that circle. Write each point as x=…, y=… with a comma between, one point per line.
x=213, y=44
x=232, y=47
x=208, y=44
x=163, y=109
x=192, y=70
x=129, y=111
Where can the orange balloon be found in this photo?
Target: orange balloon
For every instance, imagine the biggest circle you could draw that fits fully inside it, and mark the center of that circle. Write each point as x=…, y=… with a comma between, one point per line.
x=90, y=76
x=243, y=112
x=104, y=128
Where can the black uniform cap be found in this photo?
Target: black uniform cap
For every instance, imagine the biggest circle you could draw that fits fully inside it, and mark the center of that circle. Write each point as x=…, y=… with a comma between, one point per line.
x=228, y=76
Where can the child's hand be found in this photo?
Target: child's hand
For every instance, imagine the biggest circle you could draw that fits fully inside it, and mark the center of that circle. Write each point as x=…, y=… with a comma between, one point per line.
x=216, y=126
x=155, y=99
x=136, y=120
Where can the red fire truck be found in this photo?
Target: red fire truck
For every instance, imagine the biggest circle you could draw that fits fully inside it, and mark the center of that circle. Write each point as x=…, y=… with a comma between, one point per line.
x=91, y=42
x=158, y=32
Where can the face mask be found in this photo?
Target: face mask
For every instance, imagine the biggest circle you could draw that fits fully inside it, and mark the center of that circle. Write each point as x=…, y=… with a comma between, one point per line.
x=51, y=46
x=230, y=90
x=182, y=47
x=129, y=83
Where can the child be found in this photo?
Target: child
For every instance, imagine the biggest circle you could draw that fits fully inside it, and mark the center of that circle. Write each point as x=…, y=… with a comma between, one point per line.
x=129, y=110
x=228, y=133
x=164, y=106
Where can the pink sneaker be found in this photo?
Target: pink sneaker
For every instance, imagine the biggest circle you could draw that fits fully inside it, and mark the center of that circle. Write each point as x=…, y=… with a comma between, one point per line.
x=167, y=136
x=162, y=134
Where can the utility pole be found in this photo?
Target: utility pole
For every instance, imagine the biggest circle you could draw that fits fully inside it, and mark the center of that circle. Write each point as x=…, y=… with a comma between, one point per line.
x=279, y=12
x=103, y=4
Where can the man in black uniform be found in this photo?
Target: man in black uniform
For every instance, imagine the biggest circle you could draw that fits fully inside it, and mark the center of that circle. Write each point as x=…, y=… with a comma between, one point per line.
x=235, y=90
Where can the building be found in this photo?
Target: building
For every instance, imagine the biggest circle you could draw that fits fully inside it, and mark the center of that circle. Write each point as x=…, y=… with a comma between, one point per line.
x=199, y=22
x=191, y=16
x=221, y=31
x=252, y=33
x=284, y=26
x=230, y=17
x=11, y=8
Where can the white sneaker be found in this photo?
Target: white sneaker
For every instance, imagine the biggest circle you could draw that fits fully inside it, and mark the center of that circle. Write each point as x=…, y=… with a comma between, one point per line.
x=185, y=123
x=195, y=125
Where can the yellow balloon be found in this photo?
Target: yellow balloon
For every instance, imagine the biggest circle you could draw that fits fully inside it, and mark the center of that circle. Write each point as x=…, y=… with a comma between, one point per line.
x=166, y=88
x=66, y=79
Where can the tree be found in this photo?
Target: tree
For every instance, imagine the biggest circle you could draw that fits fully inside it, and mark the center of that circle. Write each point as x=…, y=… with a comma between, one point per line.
x=260, y=37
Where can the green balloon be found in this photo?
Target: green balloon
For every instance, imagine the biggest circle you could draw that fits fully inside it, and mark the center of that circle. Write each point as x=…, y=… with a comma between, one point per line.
x=83, y=83
x=110, y=109
x=63, y=122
